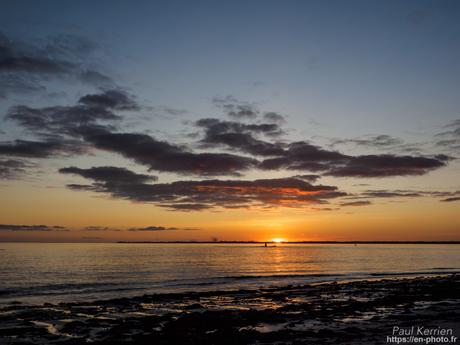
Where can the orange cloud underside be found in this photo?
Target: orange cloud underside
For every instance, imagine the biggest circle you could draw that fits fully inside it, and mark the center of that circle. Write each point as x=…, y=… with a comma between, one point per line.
x=257, y=190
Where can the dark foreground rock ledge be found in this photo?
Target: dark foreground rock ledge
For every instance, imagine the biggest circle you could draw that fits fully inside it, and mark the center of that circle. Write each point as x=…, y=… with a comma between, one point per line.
x=363, y=312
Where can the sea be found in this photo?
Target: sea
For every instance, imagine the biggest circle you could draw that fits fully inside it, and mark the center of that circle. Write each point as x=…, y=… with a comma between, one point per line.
x=37, y=273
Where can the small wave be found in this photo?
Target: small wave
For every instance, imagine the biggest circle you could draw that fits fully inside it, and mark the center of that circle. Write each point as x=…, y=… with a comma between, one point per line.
x=235, y=281
x=229, y=279
x=413, y=273
x=65, y=289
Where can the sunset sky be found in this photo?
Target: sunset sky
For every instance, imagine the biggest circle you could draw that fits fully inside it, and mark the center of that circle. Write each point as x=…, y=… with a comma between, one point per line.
x=229, y=120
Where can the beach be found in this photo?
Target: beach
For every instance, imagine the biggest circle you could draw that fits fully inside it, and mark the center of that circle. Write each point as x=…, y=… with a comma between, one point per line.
x=355, y=312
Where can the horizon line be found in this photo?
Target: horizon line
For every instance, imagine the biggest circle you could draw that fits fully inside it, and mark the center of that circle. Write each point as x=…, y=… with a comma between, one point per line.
x=248, y=242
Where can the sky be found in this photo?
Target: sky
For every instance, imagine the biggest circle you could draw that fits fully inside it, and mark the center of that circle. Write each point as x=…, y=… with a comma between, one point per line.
x=241, y=120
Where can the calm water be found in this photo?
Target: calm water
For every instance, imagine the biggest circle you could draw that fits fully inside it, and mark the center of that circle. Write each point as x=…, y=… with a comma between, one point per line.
x=39, y=272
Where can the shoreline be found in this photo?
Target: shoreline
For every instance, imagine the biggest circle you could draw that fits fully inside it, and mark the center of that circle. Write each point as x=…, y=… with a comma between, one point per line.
x=355, y=312
x=220, y=284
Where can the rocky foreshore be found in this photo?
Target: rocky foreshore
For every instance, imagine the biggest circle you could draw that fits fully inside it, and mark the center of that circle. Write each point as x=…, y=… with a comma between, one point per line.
x=360, y=312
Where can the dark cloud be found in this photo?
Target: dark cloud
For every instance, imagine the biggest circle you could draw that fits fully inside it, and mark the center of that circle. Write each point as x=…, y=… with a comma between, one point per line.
x=451, y=199
x=110, y=99
x=13, y=168
x=217, y=126
x=194, y=207
x=385, y=166
x=33, y=65
x=444, y=158
x=454, y=128
x=14, y=227
x=65, y=120
x=205, y=194
x=407, y=194
x=325, y=209
x=163, y=156
x=91, y=123
x=236, y=135
x=73, y=120
x=92, y=112
x=379, y=141
x=12, y=59
x=158, y=228
x=274, y=117
x=39, y=149
x=450, y=140
x=452, y=144
x=304, y=156
x=27, y=67
x=382, y=143
x=235, y=108
x=392, y=194
x=110, y=175
x=152, y=228
x=356, y=203
x=99, y=228
x=376, y=194
x=441, y=193
x=308, y=178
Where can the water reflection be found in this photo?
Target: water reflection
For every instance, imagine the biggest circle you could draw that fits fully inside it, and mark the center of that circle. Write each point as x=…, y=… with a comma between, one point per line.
x=104, y=270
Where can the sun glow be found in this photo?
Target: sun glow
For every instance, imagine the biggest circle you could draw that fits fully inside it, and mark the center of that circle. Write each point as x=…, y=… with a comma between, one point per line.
x=278, y=240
